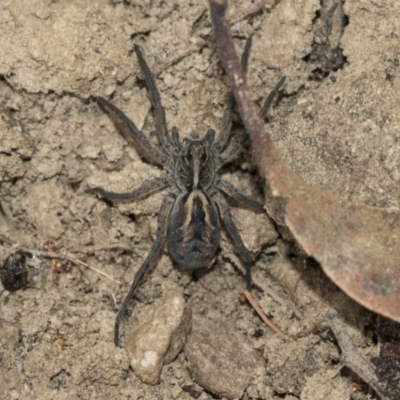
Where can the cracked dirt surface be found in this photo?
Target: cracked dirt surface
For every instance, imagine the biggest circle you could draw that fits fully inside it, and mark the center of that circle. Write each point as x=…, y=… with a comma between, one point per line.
x=339, y=132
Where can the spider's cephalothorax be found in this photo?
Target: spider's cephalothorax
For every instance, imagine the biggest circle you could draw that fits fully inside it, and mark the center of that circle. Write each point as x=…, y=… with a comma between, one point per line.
x=195, y=203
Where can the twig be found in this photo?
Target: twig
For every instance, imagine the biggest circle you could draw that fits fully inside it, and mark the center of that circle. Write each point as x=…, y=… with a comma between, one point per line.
x=205, y=38
x=93, y=249
x=52, y=254
x=266, y=320
x=351, y=357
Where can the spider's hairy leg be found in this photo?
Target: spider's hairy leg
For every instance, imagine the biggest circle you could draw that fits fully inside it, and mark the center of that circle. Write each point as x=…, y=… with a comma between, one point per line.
x=227, y=118
x=240, y=198
x=161, y=124
x=235, y=146
x=264, y=109
x=127, y=126
x=233, y=232
x=144, y=190
x=155, y=249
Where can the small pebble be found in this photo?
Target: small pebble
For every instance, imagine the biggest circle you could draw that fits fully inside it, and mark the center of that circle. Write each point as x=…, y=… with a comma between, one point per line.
x=221, y=359
x=158, y=337
x=14, y=272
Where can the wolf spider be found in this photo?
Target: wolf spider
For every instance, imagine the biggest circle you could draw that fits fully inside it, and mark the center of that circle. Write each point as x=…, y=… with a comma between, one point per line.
x=190, y=213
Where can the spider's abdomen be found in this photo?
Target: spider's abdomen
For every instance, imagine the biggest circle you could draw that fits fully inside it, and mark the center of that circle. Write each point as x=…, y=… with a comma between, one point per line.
x=193, y=230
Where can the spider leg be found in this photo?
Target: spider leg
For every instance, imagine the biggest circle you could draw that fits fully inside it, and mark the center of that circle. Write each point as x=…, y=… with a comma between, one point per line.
x=237, y=240
x=235, y=146
x=231, y=151
x=227, y=118
x=268, y=100
x=144, y=190
x=155, y=249
x=161, y=124
x=126, y=125
x=240, y=198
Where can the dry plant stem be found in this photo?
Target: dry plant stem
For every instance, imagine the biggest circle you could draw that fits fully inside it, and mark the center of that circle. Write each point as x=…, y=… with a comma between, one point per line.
x=94, y=249
x=351, y=357
x=200, y=42
x=251, y=119
x=358, y=246
x=261, y=314
x=50, y=254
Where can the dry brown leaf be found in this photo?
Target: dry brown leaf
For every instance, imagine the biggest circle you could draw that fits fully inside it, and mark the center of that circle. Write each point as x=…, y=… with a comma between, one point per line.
x=357, y=246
